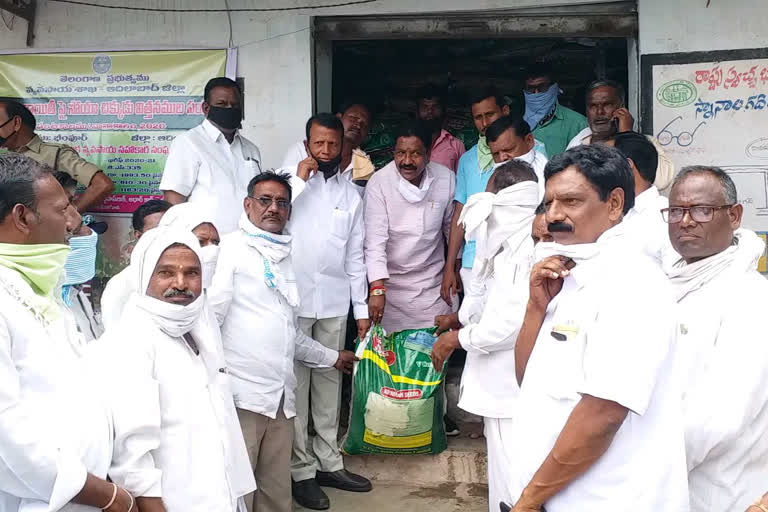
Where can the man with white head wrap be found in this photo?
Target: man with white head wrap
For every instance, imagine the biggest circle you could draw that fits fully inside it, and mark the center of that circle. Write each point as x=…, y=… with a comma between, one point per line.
x=176, y=431
x=190, y=217
x=720, y=307
x=490, y=316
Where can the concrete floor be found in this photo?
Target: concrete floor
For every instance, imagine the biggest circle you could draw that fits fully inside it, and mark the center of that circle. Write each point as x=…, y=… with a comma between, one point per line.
x=396, y=497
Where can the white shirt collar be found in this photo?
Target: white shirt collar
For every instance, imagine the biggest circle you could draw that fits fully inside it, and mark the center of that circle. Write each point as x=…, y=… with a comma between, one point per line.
x=646, y=199
x=213, y=132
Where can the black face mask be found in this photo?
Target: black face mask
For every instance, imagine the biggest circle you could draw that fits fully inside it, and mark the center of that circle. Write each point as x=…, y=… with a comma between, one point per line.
x=3, y=140
x=227, y=118
x=329, y=168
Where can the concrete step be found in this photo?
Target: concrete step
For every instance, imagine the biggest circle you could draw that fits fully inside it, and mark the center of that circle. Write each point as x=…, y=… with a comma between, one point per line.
x=396, y=497
x=465, y=461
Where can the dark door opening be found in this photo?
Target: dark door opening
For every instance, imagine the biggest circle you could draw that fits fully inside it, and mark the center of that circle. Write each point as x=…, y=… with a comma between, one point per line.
x=389, y=73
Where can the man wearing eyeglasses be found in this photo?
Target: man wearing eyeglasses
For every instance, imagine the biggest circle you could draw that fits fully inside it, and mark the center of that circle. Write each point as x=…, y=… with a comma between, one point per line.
x=255, y=299
x=644, y=219
x=721, y=338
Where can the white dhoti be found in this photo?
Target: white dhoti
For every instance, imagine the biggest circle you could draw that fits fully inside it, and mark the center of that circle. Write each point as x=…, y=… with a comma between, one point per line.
x=498, y=462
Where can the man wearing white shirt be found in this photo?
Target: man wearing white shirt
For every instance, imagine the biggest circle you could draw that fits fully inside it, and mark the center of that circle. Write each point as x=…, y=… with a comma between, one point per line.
x=493, y=308
x=356, y=118
x=178, y=445
x=55, y=429
x=721, y=301
x=644, y=219
x=211, y=164
x=327, y=228
x=598, y=424
x=510, y=137
x=255, y=291
x=607, y=115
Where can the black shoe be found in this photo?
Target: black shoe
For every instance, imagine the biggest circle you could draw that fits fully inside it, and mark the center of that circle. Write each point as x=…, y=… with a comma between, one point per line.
x=451, y=429
x=309, y=495
x=344, y=480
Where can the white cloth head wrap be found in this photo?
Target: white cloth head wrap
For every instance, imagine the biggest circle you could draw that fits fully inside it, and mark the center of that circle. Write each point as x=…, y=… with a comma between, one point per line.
x=173, y=319
x=492, y=219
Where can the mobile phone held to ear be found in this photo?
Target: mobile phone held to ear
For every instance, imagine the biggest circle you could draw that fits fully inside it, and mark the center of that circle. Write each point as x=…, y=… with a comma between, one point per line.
x=615, y=124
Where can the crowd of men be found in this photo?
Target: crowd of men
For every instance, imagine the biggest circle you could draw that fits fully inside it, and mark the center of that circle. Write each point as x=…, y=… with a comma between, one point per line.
x=613, y=335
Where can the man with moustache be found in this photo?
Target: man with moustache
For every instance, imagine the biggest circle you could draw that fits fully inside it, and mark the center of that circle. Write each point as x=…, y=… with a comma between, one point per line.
x=720, y=307
x=356, y=118
x=607, y=115
x=178, y=444
x=408, y=208
x=598, y=423
x=211, y=164
x=475, y=169
x=539, y=230
x=327, y=228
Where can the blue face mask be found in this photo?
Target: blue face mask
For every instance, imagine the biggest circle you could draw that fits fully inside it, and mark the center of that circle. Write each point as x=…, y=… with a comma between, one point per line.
x=81, y=262
x=539, y=105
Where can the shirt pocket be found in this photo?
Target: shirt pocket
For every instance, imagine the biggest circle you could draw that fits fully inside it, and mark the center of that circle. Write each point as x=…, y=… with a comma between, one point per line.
x=341, y=221
x=564, y=354
x=433, y=216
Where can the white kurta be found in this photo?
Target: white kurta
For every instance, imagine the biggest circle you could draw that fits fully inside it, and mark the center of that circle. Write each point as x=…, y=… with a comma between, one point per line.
x=177, y=433
x=725, y=355
x=259, y=331
x=327, y=227
x=54, y=427
x=212, y=173
x=491, y=316
x=115, y=296
x=607, y=348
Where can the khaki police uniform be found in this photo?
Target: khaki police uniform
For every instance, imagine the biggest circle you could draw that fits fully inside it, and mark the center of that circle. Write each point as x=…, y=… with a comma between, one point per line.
x=60, y=157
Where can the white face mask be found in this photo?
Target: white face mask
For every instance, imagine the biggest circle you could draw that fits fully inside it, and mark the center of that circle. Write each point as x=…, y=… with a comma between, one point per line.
x=210, y=254
x=411, y=192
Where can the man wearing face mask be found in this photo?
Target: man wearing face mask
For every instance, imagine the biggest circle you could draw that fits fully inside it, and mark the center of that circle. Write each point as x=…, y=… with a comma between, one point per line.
x=327, y=228
x=211, y=165
x=408, y=210
x=552, y=124
x=80, y=267
x=188, y=217
x=446, y=149
x=17, y=133
x=356, y=164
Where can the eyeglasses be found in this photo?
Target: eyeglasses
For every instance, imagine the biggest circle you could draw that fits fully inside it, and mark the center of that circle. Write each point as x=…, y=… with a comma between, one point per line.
x=675, y=214
x=266, y=202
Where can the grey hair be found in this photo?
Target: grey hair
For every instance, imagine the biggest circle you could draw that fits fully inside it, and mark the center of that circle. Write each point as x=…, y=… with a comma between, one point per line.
x=727, y=184
x=18, y=176
x=609, y=83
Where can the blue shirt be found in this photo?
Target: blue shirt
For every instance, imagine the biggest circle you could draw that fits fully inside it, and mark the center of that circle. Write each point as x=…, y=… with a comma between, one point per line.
x=469, y=180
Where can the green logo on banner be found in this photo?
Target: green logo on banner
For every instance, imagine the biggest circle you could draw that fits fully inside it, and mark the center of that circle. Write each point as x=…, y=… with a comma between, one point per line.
x=677, y=93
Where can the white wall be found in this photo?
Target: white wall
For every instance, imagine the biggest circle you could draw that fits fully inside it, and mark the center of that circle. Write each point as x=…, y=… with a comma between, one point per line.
x=668, y=26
